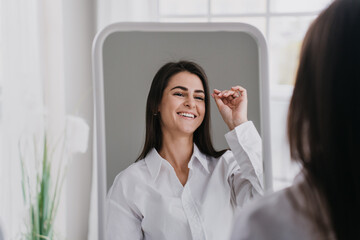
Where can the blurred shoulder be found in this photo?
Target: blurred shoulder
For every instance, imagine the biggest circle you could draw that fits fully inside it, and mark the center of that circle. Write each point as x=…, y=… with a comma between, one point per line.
x=272, y=217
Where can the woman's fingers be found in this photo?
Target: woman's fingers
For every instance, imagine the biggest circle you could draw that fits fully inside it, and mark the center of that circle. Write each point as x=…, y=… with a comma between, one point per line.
x=235, y=92
x=232, y=105
x=216, y=91
x=219, y=102
x=240, y=90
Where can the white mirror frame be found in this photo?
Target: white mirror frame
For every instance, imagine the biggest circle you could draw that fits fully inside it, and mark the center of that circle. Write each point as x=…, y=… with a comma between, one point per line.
x=98, y=86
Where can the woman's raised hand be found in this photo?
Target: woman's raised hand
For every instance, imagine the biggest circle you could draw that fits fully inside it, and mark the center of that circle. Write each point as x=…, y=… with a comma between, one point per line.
x=232, y=105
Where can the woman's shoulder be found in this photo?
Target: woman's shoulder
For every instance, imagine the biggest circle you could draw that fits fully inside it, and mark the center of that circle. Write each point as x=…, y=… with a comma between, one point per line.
x=272, y=217
x=125, y=188
x=135, y=173
x=269, y=205
x=226, y=159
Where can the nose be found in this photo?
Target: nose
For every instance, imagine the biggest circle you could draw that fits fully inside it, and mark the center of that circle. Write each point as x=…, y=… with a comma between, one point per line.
x=190, y=102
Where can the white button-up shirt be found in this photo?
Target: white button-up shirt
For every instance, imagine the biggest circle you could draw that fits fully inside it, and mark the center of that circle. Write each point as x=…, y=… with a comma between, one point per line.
x=147, y=200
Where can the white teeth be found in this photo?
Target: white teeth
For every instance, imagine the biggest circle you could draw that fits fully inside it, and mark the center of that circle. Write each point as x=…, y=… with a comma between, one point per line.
x=187, y=115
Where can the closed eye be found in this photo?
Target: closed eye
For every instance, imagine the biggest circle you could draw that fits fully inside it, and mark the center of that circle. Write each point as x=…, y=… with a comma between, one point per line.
x=178, y=94
x=199, y=98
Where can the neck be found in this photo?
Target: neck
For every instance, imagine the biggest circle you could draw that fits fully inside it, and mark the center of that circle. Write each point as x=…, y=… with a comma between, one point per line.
x=177, y=150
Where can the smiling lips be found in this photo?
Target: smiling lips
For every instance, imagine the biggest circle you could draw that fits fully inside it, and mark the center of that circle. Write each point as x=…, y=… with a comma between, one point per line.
x=188, y=115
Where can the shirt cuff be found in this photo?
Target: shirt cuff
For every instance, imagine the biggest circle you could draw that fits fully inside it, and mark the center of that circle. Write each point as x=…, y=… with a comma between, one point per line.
x=245, y=143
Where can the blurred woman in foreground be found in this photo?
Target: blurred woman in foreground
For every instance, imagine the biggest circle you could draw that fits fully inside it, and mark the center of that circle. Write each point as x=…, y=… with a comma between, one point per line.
x=324, y=136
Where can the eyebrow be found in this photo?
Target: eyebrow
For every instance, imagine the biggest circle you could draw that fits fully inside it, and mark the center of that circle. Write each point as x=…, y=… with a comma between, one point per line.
x=186, y=89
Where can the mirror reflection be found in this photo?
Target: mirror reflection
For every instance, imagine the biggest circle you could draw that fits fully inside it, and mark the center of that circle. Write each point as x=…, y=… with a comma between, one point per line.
x=179, y=179
x=183, y=118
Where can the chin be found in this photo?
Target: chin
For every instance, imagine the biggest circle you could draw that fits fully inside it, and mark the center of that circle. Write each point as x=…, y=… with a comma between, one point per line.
x=188, y=130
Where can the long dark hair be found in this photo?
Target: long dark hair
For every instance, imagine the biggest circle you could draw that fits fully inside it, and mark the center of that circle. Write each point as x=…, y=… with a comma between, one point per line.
x=324, y=116
x=153, y=138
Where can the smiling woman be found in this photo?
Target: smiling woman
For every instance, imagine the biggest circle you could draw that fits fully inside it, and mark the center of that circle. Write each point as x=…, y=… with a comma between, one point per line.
x=182, y=107
x=181, y=187
x=173, y=81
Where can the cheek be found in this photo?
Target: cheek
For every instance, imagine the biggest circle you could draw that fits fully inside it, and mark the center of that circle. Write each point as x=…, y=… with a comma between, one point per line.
x=201, y=110
x=167, y=108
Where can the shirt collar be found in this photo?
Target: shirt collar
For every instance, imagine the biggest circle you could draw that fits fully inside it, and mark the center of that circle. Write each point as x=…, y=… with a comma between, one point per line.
x=201, y=157
x=153, y=161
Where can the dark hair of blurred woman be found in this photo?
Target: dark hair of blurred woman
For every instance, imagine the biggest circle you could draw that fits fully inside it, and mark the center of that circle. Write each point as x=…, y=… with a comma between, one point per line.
x=324, y=119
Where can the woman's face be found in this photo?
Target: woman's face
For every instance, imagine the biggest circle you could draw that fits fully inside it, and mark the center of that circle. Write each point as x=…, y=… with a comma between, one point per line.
x=182, y=107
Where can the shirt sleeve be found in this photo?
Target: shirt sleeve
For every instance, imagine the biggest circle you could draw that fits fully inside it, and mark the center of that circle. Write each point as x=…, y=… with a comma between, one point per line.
x=122, y=220
x=246, y=172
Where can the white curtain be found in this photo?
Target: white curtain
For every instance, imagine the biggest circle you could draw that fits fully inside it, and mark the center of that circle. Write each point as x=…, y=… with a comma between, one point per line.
x=22, y=100
x=45, y=68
